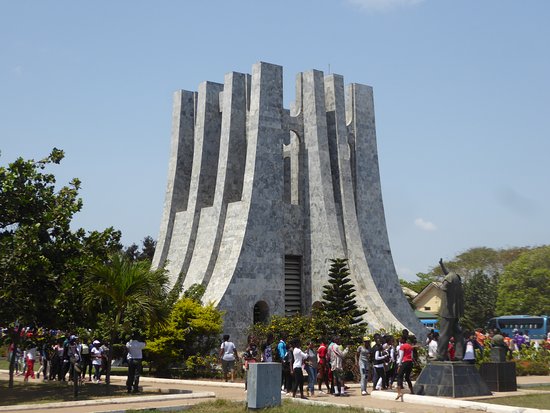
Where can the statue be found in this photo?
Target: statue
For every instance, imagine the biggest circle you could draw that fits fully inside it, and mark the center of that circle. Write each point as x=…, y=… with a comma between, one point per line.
x=452, y=308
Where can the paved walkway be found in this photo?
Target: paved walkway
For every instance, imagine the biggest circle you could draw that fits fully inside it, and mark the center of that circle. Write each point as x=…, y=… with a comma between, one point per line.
x=380, y=401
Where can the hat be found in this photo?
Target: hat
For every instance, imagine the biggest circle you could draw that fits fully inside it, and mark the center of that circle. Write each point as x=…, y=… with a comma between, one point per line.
x=96, y=342
x=366, y=338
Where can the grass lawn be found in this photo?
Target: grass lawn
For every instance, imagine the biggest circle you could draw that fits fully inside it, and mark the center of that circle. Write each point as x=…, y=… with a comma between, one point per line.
x=226, y=406
x=50, y=392
x=536, y=401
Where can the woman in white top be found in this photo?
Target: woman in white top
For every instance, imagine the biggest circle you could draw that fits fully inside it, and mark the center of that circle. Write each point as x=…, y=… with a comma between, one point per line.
x=97, y=358
x=299, y=359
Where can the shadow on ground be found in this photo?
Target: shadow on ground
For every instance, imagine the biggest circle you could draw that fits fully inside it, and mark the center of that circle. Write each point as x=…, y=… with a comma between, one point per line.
x=50, y=392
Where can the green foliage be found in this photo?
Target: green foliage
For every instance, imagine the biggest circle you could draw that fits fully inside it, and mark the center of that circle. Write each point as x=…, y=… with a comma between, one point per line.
x=480, y=296
x=524, y=287
x=192, y=329
x=339, y=294
x=130, y=294
x=317, y=326
x=41, y=259
x=532, y=362
x=468, y=263
x=147, y=252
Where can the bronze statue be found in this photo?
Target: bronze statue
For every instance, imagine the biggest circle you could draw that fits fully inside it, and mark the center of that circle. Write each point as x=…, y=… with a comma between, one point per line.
x=452, y=308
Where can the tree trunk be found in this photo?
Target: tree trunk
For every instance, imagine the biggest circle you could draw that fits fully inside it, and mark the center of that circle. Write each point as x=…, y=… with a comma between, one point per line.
x=15, y=340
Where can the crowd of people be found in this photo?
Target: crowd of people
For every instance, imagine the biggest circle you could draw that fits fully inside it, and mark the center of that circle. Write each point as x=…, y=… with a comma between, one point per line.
x=67, y=357
x=476, y=341
x=312, y=368
x=62, y=358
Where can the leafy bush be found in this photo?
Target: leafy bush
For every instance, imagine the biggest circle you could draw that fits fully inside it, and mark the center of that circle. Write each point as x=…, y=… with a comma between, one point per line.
x=187, y=341
x=531, y=368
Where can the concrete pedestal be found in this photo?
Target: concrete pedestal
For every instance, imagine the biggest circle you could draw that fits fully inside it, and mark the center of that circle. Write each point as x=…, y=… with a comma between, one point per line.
x=450, y=379
x=264, y=385
x=499, y=376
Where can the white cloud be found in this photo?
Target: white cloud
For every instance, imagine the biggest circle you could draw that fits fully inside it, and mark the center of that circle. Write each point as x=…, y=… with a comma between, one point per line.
x=425, y=225
x=384, y=5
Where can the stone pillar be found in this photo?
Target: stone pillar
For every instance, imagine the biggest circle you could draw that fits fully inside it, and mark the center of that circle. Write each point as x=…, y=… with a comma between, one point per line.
x=264, y=385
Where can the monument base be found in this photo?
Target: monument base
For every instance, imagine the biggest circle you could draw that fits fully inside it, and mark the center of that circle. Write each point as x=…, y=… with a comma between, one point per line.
x=450, y=379
x=264, y=385
x=499, y=376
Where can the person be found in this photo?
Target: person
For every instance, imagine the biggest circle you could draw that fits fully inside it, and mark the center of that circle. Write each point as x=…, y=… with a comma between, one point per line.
x=228, y=355
x=337, y=353
x=323, y=367
x=390, y=367
x=106, y=360
x=30, y=359
x=86, y=360
x=299, y=359
x=376, y=339
x=432, y=346
x=452, y=308
x=285, y=356
x=406, y=364
x=380, y=359
x=135, y=356
x=311, y=366
x=469, y=348
x=518, y=340
x=267, y=352
x=250, y=355
x=97, y=360
x=526, y=338
x=452, y=349
x=73, y=355
x=362, y=360
x=46, y=352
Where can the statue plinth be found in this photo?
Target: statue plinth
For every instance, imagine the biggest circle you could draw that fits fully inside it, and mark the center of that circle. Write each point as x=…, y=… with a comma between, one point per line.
x=499, y=374
x=450, y=379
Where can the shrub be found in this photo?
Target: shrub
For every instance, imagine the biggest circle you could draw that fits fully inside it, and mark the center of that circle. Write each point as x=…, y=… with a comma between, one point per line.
x=531, y=368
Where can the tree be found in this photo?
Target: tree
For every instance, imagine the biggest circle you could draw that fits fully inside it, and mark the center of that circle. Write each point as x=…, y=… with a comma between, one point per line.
x=339, y=298
x=41, y=259
x=524, y=286
x=129, y=293
x=468, y=263
x=147, y=250
x=480, y=295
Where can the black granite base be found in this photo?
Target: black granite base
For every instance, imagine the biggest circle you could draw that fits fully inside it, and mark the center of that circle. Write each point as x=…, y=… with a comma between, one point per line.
x=450, y=379
x=499, y=376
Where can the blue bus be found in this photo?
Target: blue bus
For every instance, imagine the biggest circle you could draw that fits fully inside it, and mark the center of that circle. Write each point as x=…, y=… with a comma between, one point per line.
x=536, y=326
x=431, y=324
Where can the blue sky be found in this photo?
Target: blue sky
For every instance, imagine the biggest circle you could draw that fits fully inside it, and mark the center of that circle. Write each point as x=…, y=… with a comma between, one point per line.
x=462, y=98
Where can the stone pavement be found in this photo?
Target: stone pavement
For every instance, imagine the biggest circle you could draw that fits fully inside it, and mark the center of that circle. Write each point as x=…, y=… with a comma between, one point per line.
x=381, y=401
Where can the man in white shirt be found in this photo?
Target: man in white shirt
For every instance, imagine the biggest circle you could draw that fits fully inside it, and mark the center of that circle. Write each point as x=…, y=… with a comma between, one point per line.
x=432, y=347
x=134, y=357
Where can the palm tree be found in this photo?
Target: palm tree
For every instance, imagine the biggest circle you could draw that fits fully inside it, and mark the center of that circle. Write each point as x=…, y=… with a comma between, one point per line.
x=122, y=288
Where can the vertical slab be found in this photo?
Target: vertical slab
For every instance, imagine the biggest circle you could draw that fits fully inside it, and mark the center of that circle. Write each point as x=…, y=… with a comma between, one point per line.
x=250, y=259
x=179, y=169
x=203, y=178
x=367, y=295
x=370, y=208
x=229, y=181
x=323, y=232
